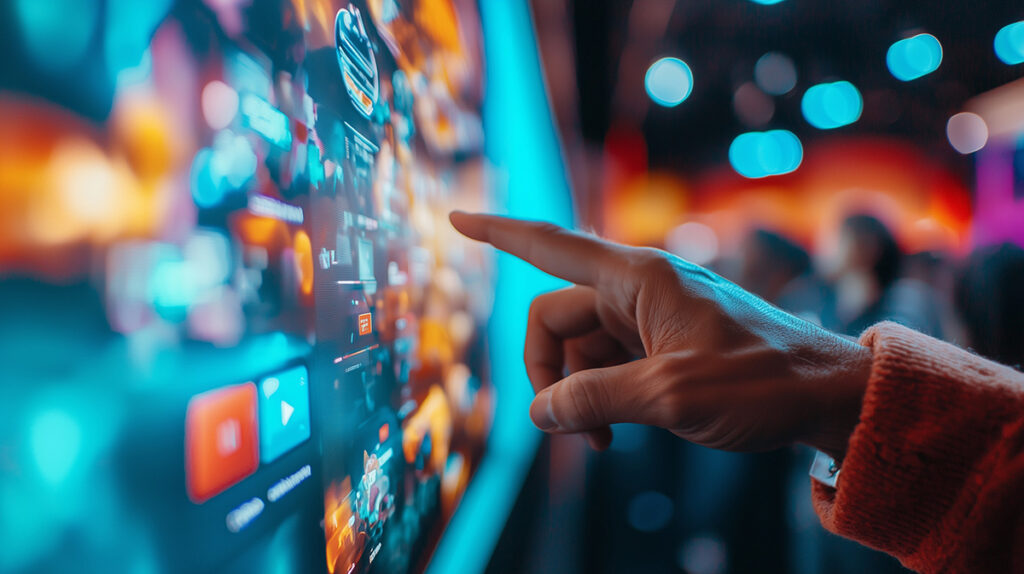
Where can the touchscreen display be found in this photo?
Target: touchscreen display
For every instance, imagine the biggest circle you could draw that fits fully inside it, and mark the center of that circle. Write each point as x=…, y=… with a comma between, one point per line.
x=238, y=332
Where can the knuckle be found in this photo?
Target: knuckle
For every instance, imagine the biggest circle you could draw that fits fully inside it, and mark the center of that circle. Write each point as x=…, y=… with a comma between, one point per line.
x=653, y=262
x=540, y=306
x=546, y=228
x=536, y=309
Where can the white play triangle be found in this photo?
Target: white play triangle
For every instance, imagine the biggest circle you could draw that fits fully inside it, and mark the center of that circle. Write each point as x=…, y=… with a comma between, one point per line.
x=286, y=413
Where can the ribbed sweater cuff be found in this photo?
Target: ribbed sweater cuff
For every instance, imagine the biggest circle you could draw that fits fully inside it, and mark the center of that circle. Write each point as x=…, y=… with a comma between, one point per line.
x=918, y=457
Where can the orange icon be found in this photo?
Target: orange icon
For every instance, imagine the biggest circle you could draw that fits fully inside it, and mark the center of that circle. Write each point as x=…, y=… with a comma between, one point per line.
x=221, y=440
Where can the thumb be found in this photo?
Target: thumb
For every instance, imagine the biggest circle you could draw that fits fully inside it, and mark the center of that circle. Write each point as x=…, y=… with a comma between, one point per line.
x=593, y=398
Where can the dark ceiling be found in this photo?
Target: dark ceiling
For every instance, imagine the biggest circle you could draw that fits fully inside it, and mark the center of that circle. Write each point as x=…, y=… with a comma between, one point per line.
x=722, y=39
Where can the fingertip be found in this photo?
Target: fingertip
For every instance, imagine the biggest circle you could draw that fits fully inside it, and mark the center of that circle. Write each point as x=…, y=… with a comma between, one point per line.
x=457, y=218
x=541, y=413
x=468, y=224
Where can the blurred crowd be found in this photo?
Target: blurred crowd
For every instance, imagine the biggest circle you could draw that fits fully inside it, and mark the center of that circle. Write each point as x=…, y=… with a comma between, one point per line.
x=973, y=301
x=866, y=278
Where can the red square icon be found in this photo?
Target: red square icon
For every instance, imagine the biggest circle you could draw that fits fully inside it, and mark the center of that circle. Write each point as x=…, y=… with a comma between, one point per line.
x=365, y=324
x=221, y=440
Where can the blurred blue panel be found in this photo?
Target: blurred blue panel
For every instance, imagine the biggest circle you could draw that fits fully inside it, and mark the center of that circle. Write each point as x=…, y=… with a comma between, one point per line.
x=530, y=182
x=914, y=57
x=832, y=105
x=668, y=82
x=56, y=32
x=1009, y=43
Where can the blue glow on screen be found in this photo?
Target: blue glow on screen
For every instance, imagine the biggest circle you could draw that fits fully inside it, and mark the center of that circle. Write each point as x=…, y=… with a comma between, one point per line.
x=1009, y=43
x=669, y=81
x=129, y=28
x=762, y=154
x=530, y=181
x=74, y=22
x=832, y=105
x=914, y=57
x=56, y=438
x=266, y=120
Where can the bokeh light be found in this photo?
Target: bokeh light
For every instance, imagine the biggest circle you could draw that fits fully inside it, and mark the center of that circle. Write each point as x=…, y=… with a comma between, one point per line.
x=93, y=189
x=831, y=105
x=775, y=73
x=219, y=103
x=753, y=107
x=911, y=58
x=647, y=207
x=208, y=186
x=650, y=511
x=762, y=154
x=1009, y=43
x=694, y=242
x=668, y=81
x=967, y=132
x=703, y=555
x=766, y=2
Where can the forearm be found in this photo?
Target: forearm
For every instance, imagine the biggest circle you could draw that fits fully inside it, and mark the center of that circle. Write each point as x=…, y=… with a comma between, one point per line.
x=932, y=471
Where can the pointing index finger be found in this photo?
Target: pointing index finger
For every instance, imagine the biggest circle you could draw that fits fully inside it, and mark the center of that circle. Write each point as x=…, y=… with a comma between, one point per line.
x=572, y=256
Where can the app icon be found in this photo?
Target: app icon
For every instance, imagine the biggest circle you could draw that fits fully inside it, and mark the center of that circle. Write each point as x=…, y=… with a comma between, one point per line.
x=355, y=55
x=284, y=412
x=365, y=324
x=221, y=442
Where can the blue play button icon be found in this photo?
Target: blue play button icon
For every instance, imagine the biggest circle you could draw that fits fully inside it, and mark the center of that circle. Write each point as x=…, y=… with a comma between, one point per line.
x=284, y=412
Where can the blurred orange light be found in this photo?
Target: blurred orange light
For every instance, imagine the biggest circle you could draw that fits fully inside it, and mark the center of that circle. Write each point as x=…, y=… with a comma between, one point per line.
x=646, y=208
x=888, y=178
x=304, y=261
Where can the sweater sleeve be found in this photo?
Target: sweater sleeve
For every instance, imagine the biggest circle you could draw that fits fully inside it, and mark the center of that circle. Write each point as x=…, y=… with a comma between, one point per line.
x=934, y=471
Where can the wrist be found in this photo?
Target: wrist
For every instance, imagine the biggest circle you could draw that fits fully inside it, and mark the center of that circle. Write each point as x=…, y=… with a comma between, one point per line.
x=840, y=390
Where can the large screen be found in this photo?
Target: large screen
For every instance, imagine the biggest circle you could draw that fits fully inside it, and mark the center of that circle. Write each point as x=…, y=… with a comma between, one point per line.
x=236, y=330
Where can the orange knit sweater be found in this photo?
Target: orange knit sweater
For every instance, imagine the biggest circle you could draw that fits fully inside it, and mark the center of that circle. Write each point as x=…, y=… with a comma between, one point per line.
x=934, y=472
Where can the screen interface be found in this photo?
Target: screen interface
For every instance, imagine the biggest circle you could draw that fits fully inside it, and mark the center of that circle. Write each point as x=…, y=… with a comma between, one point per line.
x=238, y=333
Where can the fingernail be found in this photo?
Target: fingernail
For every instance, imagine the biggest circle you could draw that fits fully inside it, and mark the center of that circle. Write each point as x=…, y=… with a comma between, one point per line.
x=541, y=413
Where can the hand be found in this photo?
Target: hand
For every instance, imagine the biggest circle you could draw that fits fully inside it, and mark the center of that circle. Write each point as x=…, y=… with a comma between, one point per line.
x=649, y=338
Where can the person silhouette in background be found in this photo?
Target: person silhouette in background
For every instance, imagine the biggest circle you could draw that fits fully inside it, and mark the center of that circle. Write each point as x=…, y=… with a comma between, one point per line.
x=865, y=275
x=989, y=295
x=780, y=271
x=927, y=439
